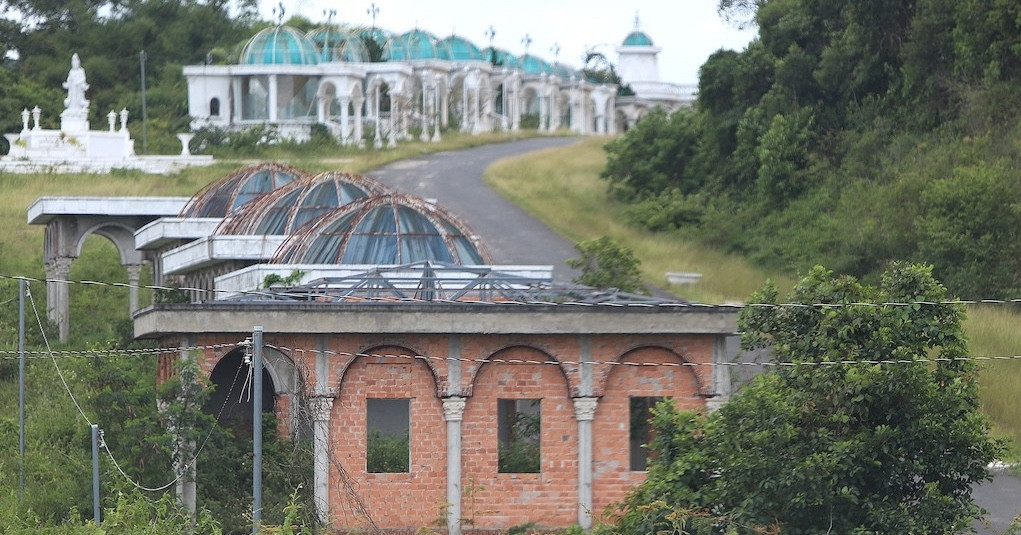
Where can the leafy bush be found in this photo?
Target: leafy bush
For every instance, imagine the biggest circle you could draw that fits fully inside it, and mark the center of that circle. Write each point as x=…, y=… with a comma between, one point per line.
x=606, y=264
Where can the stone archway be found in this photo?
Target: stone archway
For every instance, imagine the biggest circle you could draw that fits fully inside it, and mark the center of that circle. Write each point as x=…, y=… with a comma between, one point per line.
x=70, y=220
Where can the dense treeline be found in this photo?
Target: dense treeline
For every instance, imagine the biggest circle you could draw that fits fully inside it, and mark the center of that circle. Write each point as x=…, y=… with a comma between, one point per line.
x=38, y=37
x=849, y=134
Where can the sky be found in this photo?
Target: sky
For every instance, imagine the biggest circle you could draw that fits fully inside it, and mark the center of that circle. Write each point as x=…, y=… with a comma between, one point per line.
x=688, y=31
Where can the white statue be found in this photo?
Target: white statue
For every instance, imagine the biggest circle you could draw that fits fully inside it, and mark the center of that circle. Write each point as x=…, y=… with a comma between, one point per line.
x=76, y=87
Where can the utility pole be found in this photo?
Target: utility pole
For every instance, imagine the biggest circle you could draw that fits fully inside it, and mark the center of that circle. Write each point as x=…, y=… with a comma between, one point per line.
x=256, y=429
x=95, y=473
x=22, y=288
x=145, y=140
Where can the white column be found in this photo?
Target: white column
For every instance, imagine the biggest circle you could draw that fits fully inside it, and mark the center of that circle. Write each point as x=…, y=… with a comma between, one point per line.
x=585, y=412
x=345, y=121
x=721, y=375
x=272, y=103
x=358, y=122
x=321, y=408
x=423, y=136
x=453, y=413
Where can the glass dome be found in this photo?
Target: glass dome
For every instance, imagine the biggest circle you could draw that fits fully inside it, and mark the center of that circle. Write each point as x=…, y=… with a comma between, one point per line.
x=565, y=72
x=501, y=58
x=387, y=229
x=239, y=188
x=416, y=44
x=279, y=45
x=460, y=49
x=300, y=202
x=534, y=65
x=337, y=45
x=637, y=38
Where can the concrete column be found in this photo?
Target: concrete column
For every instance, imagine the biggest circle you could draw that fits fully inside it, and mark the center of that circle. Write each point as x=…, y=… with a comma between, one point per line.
x=357, y=136
x=345, y=121
x=186, y=452
x=585, y=412
x=453, y=413
x=134, y=279
x=721, y=375
x=321, y=408
x=58, y=295
x=272, y=99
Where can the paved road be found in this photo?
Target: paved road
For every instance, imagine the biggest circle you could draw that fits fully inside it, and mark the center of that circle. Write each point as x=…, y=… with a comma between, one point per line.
x=454, y=179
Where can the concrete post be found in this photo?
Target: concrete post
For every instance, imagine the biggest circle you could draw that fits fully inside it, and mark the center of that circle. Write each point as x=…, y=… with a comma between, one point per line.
x=321, y=408
x=453, y=413
x=721, y=375
x=585, y=412
x=186, y=452
x=58, y=296
x=134, y=279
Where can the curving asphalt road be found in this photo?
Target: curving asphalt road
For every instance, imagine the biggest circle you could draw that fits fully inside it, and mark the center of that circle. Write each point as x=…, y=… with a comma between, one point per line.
x=454, y=179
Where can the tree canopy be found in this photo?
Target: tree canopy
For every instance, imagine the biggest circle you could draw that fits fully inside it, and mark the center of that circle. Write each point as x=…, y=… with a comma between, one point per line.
x=837, y=137
x=871, y=426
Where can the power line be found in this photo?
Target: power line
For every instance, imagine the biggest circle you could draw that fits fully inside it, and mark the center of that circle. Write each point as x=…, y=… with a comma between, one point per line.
x=724, y=306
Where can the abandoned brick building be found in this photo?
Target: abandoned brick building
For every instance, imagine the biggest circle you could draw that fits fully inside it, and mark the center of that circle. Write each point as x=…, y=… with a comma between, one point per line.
x=431, y=382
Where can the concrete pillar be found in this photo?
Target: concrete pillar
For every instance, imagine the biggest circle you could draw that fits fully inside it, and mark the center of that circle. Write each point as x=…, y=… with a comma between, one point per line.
x=585, y=412
x=721, y=375
x=186, y=454
x=345, y=121
x=358, y=101
x=272, y=102
x=321, y=408
x=58, y=295
x=453, y=413
x=134, y=279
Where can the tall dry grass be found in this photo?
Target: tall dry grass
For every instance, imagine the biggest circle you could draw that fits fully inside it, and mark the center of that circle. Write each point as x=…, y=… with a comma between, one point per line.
x=561, y=187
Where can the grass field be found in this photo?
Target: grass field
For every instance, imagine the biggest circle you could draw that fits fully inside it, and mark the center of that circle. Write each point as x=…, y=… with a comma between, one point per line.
x=560, y=186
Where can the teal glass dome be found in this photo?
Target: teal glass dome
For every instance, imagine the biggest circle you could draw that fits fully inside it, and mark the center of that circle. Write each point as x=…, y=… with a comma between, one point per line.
x=286, y=209
x=337, y=45
x=279, y=45
x=416, y=44
x=637, y=38
x=501, y=58
x=534, y=65
x=238, y=189
x=565, y=72
x=387, y=229
x=460, y=49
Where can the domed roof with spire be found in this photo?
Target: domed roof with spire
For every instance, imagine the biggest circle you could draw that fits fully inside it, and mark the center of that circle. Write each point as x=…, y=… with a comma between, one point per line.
x=637, y=38
x=338, y=45
x=279, y=45
x=416, y=44
x=385, y=230
x=460, y=49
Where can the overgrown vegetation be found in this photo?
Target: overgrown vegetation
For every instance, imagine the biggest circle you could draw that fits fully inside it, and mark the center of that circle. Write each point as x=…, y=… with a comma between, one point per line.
x=822, y=447
x=850, y=134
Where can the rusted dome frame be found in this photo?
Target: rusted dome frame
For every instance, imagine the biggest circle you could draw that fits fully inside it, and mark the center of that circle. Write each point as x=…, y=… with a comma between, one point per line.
x=221, y=197
x=331, y=246
x=286, y=209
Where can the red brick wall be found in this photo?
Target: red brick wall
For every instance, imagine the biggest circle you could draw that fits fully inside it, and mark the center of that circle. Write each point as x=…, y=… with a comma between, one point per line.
x=612, y=476
x=490, y=499
x=393, y=500
x=547, y=498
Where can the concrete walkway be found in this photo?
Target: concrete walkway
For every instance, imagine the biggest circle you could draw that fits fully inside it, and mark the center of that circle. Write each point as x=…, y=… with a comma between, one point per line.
x=454, y=179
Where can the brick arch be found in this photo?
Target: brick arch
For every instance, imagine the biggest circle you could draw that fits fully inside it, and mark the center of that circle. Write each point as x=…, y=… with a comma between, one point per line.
x=503, y=500
x=515, y=352
x=628, y=378
x=409, y=496
x=402, y=354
